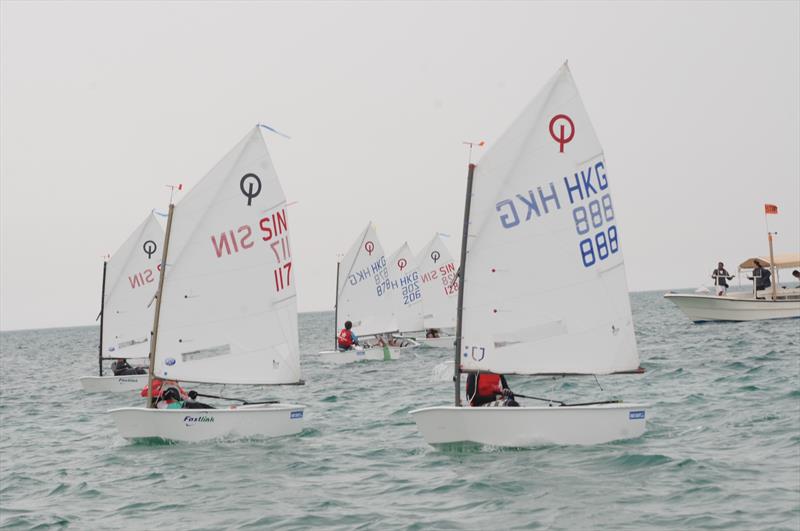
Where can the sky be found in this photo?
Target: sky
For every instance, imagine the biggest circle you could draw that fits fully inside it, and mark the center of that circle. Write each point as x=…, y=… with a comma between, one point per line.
x=102, y=104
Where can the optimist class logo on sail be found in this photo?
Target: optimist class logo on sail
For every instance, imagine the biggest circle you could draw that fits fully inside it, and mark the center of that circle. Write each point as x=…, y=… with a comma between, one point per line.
x=585, y=191
x=271, y=229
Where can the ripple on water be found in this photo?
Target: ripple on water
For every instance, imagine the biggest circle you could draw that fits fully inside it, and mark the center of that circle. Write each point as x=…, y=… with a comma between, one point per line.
x=721, y=450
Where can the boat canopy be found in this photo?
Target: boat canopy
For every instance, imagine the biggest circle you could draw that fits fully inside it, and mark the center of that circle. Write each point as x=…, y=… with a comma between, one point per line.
x=785, y=260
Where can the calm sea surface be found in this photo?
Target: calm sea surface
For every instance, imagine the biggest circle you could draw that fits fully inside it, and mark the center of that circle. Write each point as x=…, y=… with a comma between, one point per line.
x=721, y=451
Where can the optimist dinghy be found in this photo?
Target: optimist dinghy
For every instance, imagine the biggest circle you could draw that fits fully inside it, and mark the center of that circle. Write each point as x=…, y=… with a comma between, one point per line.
x=364, y=296
x=226, y=309
x=126, y=312
x=439, y=286
x=542, y=281
x=407, y=283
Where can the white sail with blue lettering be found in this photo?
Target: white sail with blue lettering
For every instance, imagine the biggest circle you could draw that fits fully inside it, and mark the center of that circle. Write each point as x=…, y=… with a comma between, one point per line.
x=228, y=310
x=545, y=279
x=365, y=295
x=131, y=283
x=408, y=289
x=437, y=273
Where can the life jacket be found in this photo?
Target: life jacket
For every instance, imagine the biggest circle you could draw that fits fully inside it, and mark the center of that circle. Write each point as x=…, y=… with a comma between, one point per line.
x=157, y=390
x=489, y=384
x=345, y=338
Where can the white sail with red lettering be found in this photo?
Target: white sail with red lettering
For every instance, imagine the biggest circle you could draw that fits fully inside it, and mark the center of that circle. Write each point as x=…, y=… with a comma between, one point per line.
x=408, y=290
x=228, y=309
x=131, y=282
x=545, y=287
x=439, y=283
x=365, y=296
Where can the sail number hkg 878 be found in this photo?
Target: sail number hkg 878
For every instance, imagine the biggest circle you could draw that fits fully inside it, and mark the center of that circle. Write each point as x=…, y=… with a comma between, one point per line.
x=274, y=231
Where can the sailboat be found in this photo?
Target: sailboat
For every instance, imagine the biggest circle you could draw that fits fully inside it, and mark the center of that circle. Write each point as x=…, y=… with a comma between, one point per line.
x=405, y=281
x=126, y=312
x=437, y=272
x=364, y=296
x=226, y=309
x=542, y=281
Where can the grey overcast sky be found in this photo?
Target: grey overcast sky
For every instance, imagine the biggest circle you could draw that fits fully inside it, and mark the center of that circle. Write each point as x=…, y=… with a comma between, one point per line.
x=697, y=106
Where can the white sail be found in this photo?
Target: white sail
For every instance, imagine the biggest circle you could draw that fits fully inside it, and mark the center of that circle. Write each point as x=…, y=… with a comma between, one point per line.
x=365, y=294
x=405, y=282
x=228, y=309
x=545, y=288
x=131, y=282
x=437, y=272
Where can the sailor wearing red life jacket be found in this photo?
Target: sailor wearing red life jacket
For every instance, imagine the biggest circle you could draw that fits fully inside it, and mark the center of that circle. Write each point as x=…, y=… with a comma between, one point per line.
x=347, y=337
x=159, y=388
x=489, y=390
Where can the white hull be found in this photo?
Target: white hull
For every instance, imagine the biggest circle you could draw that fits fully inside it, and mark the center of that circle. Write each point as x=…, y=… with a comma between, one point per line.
x=701, y=308
x=447, y=342
x=113, y=384
x=195, y=425
x=360, y=354
x=530, y=426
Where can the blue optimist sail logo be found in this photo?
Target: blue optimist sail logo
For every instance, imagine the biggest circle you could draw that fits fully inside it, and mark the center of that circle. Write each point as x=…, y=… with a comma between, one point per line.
x=296, y=415
x=170, y=361
x=636, y=415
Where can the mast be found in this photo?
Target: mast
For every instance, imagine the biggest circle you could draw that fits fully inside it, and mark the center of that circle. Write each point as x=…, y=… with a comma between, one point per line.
x=336, y=312
x=462, y=269
x=102, y=317
x=154, y=334
x=772, y=266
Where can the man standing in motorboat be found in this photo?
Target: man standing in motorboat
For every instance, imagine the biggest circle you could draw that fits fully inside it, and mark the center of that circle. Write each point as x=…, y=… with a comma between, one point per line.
x=760, y=277
x=487, y=389
x=347, y=338
x=721, y=278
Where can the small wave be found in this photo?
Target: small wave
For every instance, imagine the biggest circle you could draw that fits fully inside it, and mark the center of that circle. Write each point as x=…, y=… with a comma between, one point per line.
x=442, y=372
x=641, y=460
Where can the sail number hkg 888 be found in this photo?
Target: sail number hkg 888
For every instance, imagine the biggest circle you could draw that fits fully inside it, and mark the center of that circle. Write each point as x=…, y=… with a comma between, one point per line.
x=594, y=216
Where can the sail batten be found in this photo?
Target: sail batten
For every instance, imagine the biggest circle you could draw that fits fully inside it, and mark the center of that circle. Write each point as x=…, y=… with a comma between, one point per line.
x=546, y=291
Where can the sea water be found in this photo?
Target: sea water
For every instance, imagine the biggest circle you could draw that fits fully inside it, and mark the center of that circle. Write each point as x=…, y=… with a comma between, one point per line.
x=721, y=450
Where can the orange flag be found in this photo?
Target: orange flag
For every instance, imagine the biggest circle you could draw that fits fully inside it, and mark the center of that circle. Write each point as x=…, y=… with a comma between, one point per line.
x=770, y=209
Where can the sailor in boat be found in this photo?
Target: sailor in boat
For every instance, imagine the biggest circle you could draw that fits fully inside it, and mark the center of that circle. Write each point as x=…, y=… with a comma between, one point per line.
x=392, y=341
x=347, y=338
x=796, y=274
x=721, y=278
x=487, y=389
x=432, y=332
x=760, y=277
x=121, y=367
x=172, y=399
x=170, y=395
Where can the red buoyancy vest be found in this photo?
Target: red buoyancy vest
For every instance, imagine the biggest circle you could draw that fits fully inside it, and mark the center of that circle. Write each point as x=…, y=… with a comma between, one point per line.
x=157, y=388
x=345, y=338
x=489, y=384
